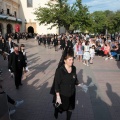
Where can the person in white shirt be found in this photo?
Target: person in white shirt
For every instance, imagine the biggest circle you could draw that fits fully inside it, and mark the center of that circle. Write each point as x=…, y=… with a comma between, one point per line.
x=92, y=54
x=86, y=55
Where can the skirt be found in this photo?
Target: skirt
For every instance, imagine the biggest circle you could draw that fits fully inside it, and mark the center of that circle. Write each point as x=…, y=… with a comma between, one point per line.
x=86, y=56
x=68, y=103
x=79, y=53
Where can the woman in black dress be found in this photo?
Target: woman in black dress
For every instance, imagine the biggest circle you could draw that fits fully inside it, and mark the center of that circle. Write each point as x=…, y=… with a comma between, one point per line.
x=63, y=87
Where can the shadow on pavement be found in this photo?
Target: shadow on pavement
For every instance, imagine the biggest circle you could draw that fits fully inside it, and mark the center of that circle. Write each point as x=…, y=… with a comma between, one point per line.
x=90, y=103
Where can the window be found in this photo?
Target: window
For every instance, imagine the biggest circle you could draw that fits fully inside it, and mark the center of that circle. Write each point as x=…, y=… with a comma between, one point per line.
x=29, y=3
x=8, y=11
x=15, y=14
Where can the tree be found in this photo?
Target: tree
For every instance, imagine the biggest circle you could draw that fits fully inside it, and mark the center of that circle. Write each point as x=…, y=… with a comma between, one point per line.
x=102, y=20
x=62, y=14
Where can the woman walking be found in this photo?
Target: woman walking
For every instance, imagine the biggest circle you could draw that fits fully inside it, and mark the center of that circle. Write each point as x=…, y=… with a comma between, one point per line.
x=63, y=88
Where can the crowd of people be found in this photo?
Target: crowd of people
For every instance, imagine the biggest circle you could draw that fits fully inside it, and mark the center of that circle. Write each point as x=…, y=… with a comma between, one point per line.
x=85, y=47
x=17, y=65
x=80, y=47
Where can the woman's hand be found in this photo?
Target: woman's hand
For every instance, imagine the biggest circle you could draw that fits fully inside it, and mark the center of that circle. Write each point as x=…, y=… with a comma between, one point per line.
x=58, y=100
x=80, y=85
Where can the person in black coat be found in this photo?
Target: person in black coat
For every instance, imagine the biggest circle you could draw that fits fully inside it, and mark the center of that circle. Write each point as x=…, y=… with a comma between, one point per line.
x=69, y=42
x=18, y=38
x=0, y=44
x=2, y=47
x=39, y=39
x=62, y=43
x=48, y=41
x=63, y=88
x=16, y=65
x=9, y=45
x=44, y=40
x=55, y=42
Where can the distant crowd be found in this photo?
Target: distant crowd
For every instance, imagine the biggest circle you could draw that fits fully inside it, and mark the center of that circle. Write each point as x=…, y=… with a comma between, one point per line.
x=85, y=47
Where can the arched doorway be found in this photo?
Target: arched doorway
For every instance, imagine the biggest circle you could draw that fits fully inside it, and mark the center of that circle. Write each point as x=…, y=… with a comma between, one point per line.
x=9, y=28
x=30, y=32
x=1, y=28
x=30, y=29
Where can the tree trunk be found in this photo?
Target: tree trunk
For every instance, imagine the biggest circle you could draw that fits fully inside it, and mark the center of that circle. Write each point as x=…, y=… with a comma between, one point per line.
x=67, y=32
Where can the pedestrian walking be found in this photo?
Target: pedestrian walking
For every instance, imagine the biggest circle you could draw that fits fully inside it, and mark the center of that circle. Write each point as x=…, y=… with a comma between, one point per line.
x=63, y=88
x=16, y=65
x=55, y=42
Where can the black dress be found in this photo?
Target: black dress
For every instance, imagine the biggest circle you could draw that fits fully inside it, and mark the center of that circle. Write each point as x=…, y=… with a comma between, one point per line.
x=55, y=41
x=64, y=83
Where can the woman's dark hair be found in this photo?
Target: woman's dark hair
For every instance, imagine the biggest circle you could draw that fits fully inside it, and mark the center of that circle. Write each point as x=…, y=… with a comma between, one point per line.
x=86, y=43
x=68, y=52
x=22, y=45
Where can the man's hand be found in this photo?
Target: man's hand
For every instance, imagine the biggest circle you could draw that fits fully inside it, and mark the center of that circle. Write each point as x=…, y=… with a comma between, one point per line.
x=12, y=75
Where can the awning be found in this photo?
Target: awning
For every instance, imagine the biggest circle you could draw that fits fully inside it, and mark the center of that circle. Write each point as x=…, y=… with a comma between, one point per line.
x=11, y=18
x=3, y=17
x=19, y=20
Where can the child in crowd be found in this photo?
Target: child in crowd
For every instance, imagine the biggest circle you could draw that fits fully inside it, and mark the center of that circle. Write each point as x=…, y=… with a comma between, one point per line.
x=86, y=55
x=79, y=50
x=92, y=54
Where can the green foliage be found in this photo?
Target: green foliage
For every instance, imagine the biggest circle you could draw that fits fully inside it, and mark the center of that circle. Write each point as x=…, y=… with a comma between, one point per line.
x=77, y=17
x=105, y=20
x=72, y=17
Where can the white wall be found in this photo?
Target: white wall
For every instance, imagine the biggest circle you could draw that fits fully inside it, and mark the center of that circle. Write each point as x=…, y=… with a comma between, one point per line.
x=27, y=13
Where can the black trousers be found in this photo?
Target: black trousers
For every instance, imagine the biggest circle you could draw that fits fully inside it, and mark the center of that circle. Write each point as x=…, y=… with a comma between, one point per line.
x=17, y=40
x=18, y=77
x=10, y=100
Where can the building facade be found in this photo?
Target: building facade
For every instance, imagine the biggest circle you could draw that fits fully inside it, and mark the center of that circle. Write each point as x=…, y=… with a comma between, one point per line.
x=18, y=16
x=27, y=7
x=10, y=21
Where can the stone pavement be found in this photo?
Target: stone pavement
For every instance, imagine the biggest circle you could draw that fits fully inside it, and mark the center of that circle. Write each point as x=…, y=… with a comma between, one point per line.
x=101, y=102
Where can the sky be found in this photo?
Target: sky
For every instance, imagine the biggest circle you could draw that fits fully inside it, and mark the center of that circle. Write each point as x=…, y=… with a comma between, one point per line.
x=96, y=5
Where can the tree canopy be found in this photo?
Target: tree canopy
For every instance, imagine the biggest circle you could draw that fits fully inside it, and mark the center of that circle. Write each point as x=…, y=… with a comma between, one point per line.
x=102, y=20
x=77, y=17
x=60, y=13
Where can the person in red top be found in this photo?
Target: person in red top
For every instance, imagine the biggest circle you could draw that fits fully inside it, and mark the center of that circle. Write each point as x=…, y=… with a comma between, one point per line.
x=107, y=50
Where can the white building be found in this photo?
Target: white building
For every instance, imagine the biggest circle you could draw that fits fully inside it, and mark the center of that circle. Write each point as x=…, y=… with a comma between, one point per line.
x=27, y=7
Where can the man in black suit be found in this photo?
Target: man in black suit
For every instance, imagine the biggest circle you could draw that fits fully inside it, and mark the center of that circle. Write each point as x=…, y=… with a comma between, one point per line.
x=9, y=45
x=16, y=65
x=69, y=42
x=18, y=37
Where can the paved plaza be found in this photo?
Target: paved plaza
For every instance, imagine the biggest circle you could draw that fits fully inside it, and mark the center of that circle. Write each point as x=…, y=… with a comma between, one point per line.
x=101, y=102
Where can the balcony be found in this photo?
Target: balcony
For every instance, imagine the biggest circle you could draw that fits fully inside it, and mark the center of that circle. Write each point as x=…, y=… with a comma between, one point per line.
x=10, y=18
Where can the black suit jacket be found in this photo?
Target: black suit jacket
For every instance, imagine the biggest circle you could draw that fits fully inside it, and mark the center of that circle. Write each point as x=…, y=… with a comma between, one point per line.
x=16, y=62
x=7, y=49
x=69, y=43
